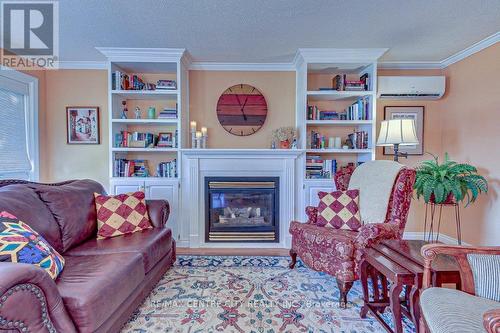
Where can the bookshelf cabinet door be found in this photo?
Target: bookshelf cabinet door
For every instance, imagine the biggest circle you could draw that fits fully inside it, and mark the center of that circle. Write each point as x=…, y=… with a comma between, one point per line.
x=120, y=187
x=312, y=193
x=155, y=190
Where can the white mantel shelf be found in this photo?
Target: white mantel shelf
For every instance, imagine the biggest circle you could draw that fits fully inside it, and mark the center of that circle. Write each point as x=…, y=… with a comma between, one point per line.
x=272, y=153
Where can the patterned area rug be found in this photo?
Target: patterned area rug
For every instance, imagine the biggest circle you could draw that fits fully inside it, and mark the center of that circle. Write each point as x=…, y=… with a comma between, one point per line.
x=249, y=294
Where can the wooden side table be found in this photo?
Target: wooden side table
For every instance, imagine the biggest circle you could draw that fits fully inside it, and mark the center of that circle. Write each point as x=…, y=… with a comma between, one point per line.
x=393, y=265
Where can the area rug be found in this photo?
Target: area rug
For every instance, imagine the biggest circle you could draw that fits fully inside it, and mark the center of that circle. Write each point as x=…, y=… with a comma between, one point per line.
x=249, y=294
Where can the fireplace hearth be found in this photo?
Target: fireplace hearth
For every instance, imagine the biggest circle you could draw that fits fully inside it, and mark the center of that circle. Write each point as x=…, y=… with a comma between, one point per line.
x=242, y=209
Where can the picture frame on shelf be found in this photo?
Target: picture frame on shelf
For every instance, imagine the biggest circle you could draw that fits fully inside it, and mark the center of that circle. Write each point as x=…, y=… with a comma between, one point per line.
x=165, y=140
x=82, y=125
x=417, y=113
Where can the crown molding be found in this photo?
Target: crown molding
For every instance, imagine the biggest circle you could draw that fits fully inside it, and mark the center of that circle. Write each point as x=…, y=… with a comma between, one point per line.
x=255, y=67
x=410, y=65
x=319, y=55
x=479, y=46
x=82, y=65
x=142, y=54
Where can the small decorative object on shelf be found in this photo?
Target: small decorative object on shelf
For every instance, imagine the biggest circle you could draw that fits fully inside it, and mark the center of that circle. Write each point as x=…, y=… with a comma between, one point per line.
x=447, y=184
x=137, y=112
x=198, y=139
x=284, y=136
x=192, y=126
x=166, y=85
x=123, y=115
x=151, y=112
x=165, y=140
x=294, y=144
x=204, y=137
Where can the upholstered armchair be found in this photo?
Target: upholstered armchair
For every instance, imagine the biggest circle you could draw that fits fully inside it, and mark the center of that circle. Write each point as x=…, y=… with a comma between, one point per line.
x=338, y=251
x=474, y=308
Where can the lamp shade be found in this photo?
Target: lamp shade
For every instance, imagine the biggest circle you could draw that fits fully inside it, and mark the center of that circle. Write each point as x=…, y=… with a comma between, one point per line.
x=397, y=132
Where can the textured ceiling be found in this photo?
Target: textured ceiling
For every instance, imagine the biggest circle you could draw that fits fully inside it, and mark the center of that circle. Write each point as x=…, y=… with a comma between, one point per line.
x=272, y=30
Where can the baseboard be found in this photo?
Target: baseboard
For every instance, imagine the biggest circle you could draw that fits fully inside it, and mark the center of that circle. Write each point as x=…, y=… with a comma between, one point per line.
x=414, y=235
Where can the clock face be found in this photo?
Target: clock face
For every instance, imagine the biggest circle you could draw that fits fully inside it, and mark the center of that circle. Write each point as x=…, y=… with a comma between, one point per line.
x=242, y=110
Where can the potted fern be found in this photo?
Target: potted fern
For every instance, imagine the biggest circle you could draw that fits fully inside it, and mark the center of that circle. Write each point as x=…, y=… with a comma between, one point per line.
x=449, y=182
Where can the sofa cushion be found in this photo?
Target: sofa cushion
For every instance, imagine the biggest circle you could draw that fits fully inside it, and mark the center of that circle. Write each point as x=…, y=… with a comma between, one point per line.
x=121, y=214
x=19, y=243
x=152, y=244
x=486, y=272
x=93, y=287
x=449, y=310
x=339, y=209
x=24, y=203
x=73, y=207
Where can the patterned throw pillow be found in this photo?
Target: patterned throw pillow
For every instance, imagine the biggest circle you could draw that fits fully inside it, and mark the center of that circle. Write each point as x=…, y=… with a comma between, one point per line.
x=339, y=210
x=121, y=214
x=19, y=243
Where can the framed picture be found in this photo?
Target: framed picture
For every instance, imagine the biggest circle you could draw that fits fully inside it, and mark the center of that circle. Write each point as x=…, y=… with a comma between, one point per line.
x=165, y=140
x=407, y=112
x=82, y=125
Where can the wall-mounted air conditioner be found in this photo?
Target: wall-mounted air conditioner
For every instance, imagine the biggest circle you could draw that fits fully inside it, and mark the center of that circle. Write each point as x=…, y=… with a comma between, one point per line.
x=411, y=87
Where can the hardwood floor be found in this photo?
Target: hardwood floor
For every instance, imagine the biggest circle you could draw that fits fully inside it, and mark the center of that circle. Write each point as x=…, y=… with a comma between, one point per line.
x=232, y=252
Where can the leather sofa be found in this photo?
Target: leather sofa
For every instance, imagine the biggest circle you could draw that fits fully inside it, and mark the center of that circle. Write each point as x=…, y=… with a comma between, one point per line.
x=103, y=281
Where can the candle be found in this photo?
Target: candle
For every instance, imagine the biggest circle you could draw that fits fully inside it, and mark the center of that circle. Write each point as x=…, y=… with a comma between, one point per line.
x=198, y=134
x=193, y=126
x=204, y=131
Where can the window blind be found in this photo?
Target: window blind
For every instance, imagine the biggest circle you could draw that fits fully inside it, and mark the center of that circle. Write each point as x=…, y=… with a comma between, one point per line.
x=14, y=159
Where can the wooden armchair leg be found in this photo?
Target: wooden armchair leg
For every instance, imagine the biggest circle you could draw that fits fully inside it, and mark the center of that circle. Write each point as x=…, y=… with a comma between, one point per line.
x=344, y=288
x=293, y=255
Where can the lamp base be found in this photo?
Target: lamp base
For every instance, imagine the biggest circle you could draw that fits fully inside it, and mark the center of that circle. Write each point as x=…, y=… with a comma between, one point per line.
x=397, y=154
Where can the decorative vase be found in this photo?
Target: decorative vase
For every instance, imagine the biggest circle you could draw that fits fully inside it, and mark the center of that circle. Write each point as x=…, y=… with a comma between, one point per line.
x=285, y=144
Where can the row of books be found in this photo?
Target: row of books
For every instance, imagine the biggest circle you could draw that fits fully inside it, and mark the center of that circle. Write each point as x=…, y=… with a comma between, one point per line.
x=359, y=110
x=124, y=81
x=358, y=140
x=318, y=141
x=314, y=113
x=130, y=168
x=168, y=113
x=126, y=139
x=167, y=169
x=319, y=168
x=341, y=83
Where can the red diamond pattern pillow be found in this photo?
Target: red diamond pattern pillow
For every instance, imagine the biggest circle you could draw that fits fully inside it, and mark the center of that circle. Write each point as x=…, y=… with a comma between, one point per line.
x=339, y=209
x=121, y=214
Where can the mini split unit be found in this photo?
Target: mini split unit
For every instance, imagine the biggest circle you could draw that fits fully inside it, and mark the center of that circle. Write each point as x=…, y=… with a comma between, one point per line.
x=411, y=87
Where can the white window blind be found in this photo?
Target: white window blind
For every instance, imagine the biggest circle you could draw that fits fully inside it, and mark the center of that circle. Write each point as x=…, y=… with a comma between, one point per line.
x=14, y=157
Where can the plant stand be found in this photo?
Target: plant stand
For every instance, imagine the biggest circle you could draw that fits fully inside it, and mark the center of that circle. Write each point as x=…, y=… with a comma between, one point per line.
x=434, y=222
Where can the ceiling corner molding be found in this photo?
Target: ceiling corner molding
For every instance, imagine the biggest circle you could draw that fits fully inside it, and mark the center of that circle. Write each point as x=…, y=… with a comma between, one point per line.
x=319, y=55
x=410, y=65
x=255, y=67
x=142, y=54
x=82, y=65
x=479, y=46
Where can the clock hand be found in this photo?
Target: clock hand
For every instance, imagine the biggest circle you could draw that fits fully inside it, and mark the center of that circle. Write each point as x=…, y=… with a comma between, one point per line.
x=243, y=108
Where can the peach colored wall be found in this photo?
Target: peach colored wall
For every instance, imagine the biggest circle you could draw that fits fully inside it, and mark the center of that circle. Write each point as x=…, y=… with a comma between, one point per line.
x=58, y=160
x=205, y=88
x=470, y=132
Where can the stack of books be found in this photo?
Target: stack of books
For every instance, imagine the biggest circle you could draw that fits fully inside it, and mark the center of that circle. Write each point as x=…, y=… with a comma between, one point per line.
x=341, y=83
x=319, y=168
x=130, y=168
x=314, y=113
x=167, y=169
x=166, y=85
x=126, y=139
x=168, y=113
x=122, y=81
x=359, y=140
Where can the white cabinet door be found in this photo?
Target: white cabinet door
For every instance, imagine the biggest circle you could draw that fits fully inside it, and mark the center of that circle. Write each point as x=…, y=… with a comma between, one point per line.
x=126, y=186
x=158, y=190
x=313, y=189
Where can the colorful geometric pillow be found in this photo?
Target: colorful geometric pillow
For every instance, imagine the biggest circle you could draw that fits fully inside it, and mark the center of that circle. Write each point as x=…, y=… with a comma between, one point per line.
x=19, y=243
x=339, y=209
x=121, y=214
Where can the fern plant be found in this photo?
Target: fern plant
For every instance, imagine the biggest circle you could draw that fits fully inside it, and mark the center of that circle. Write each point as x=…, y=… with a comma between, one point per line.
x=438, y=182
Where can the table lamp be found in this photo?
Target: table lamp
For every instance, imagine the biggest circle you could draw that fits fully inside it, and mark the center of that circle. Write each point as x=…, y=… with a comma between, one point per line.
x=397, y=132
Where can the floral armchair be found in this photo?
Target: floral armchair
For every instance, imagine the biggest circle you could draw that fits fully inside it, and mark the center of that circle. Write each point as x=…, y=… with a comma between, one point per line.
x=337, y=251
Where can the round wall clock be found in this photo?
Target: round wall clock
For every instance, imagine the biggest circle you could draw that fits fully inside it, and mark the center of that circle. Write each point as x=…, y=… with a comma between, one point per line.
x=242, y=110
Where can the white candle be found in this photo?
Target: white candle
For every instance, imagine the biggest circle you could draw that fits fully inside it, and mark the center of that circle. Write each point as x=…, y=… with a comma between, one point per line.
x=193, y=126
x=204, y=131
x=198, y=134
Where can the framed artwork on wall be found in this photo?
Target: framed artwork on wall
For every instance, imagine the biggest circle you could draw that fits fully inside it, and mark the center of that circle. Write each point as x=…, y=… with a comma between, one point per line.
x=82, y=125
x=407, y=112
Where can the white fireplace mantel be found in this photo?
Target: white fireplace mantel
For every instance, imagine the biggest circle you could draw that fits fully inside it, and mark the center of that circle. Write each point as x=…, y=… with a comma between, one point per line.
x=200, y=163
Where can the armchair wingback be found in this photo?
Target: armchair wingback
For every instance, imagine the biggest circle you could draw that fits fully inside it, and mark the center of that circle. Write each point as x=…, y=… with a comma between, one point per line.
x=478, y=301
x=338, y=251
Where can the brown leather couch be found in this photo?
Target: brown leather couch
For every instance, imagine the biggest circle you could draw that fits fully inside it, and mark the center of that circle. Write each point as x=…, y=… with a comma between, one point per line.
x=103, y=281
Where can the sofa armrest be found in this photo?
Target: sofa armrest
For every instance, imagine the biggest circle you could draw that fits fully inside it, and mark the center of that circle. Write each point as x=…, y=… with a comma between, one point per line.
x=491, y=321
x=372, y=233
x=312, y=214
x=158, y=211
x=29, y=299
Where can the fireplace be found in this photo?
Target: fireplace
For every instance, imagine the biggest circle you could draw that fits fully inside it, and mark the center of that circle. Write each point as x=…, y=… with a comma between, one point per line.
x=242, y=209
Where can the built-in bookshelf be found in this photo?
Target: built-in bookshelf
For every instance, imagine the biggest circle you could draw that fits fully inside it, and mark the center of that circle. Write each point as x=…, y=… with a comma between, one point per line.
x=335, y=115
